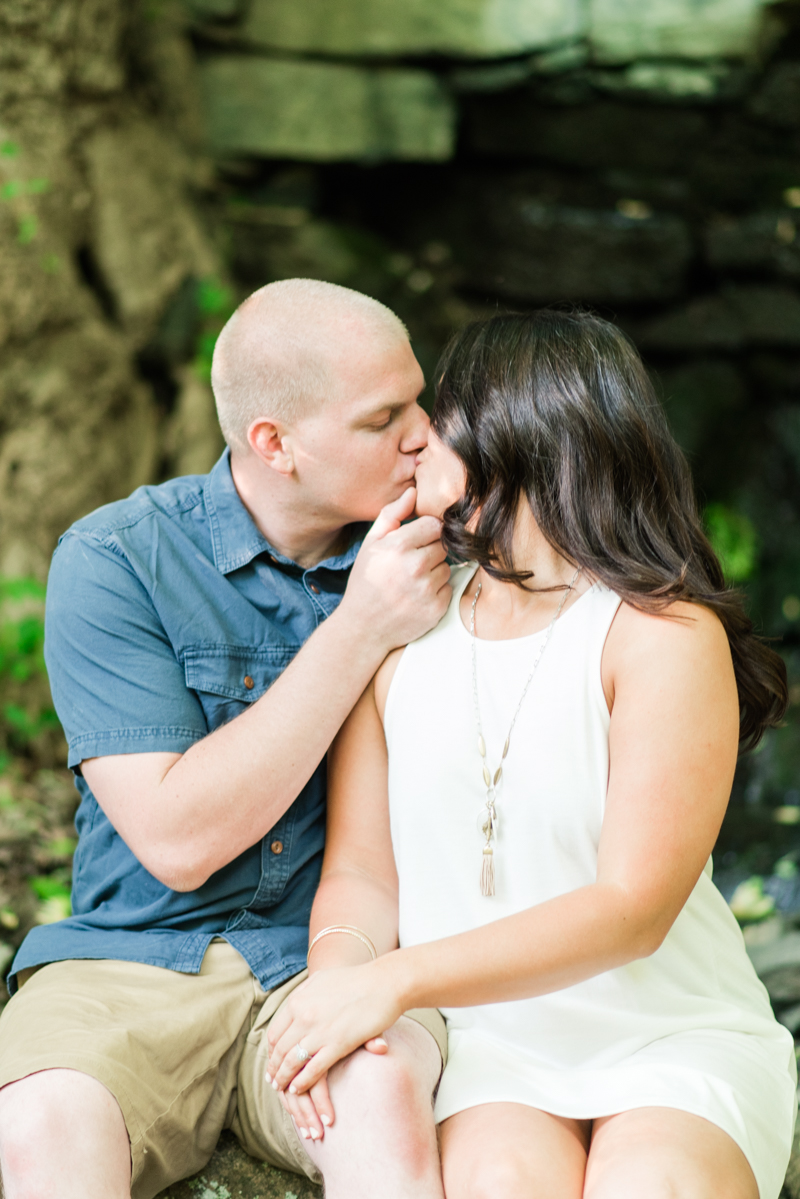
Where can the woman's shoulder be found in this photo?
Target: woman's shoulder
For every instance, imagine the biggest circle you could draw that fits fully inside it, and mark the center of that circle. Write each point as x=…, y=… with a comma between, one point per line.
x=681, y=640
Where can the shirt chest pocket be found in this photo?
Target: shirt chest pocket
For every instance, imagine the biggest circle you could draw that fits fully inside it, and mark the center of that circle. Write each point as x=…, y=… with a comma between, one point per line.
x=227, y=678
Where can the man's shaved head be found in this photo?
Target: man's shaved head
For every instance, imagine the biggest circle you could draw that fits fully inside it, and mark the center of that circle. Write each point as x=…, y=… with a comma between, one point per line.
x=280, y=354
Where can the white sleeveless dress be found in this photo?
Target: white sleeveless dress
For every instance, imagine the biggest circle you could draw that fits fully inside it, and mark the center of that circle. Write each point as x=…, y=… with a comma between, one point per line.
x=689, y=1027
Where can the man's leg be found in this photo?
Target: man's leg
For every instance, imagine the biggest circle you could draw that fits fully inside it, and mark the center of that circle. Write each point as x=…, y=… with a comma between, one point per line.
x=165, y=1045
x=383, y=1141
x=62, y=1133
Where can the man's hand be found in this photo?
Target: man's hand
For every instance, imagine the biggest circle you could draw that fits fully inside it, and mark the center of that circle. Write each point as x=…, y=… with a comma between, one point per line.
x=399, y=586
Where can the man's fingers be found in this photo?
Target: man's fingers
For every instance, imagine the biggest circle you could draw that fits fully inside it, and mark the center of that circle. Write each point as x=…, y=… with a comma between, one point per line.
x=420, y=532
x=393, y=515
x=431, y=556
x=440, y=577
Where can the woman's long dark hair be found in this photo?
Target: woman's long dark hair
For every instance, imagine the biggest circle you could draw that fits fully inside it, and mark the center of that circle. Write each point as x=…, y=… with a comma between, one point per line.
x=558, y=406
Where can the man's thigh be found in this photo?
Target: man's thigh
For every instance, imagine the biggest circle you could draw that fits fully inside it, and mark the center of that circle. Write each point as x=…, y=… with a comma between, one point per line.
x=166, y=1045
x=262, y=1124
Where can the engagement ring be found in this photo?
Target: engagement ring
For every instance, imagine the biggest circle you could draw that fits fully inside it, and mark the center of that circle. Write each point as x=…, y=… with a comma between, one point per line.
x=300, y=1054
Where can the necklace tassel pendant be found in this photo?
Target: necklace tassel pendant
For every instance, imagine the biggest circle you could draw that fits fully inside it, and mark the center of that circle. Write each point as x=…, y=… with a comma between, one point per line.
x=487, y=871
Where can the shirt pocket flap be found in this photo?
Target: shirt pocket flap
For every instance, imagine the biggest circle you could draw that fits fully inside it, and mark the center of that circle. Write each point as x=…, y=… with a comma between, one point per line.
x=241, y=672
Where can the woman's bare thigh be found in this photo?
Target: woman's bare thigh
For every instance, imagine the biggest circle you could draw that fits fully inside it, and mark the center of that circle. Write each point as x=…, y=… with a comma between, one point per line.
x=661, y=1153
x=512, y=1150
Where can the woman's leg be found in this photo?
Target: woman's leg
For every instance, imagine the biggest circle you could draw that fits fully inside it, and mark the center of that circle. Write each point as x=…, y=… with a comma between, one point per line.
x=515, y=1151
x=662, y=1153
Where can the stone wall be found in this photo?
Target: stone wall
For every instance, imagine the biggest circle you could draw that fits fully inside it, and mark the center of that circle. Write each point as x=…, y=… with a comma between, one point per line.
x=99, y=168
x=641, y=158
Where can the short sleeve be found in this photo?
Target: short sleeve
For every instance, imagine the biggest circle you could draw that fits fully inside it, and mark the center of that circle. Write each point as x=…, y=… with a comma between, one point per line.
x=117, y=685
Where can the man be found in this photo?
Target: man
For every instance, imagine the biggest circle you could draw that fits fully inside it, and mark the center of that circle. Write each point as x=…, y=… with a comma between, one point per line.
x=205, y=641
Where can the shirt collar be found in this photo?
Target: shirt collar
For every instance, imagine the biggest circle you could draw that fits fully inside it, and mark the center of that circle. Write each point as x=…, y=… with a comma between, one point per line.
x=235, y=538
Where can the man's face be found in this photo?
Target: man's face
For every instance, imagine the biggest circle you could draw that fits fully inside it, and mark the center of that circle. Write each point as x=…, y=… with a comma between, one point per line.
x=358, y=452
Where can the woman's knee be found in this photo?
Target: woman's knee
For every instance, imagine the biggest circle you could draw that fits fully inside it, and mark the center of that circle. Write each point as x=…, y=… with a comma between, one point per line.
x=488, y=1176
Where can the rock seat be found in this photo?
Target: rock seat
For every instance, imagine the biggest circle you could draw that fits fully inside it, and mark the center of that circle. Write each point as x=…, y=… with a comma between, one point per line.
x=233, y=1174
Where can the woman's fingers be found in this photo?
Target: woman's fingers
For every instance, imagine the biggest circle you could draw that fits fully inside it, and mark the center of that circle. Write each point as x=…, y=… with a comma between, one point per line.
x=322, y=1101
x=284, y=1016
x=377, y=1045
x=283, y=1061
x=315, y=1069
x=303, y=1111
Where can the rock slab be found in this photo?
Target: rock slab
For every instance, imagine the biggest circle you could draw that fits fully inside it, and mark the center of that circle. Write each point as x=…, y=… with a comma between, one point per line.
x=325, y=111
x=617, y=31
x=480, y=28
x=232, y=1174
x=626, y=30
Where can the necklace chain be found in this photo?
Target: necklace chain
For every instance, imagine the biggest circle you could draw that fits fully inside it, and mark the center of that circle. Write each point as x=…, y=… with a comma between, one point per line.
x=491, y=778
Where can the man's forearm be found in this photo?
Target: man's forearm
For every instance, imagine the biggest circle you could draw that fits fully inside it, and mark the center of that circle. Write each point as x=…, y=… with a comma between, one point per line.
x=206, y=806
x=229, y=789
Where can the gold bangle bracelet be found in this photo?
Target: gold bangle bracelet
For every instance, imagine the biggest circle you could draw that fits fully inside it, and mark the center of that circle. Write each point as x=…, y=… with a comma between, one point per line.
x=351, y=930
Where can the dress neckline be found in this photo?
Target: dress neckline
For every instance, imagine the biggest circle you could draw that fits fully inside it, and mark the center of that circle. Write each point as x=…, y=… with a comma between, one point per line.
x=458, y=596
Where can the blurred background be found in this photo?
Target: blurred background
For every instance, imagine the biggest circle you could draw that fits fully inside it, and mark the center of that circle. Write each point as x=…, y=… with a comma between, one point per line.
x=159, y=159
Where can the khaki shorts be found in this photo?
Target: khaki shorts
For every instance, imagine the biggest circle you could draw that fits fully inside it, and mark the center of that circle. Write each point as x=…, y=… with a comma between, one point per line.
x=184, y=1055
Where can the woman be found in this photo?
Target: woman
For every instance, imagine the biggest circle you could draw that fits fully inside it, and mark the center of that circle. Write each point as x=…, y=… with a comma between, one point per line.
x=560, y=755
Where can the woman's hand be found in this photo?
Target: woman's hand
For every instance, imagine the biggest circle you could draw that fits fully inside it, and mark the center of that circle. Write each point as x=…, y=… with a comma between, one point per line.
x=329, y=1015
x=311, y=1112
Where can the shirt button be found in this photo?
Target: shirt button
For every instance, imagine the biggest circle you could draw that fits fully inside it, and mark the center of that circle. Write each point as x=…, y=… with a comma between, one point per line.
x=248, y=682
x=277, y=846
x=314, y=588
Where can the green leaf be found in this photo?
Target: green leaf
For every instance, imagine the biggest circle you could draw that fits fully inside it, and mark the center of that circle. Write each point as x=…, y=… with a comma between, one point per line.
x=734, y=540
x=25, y=588
x=12, y=189
x=214, y=298
x=49, y=886
x=9, y=150
x=28, y=227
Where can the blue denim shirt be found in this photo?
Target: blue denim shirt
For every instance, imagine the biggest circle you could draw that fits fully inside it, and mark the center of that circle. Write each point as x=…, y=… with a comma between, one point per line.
x=167, y=614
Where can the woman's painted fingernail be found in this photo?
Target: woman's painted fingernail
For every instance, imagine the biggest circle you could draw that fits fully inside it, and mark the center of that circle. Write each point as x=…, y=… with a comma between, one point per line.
x=325, y=1118
x=304, y=1133
x=268, y=1077
x=315, y=1135
x=292, y=1089
x=274, y=1085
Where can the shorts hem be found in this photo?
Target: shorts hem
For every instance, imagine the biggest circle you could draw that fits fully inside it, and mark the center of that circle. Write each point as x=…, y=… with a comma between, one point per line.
x=95, y=1067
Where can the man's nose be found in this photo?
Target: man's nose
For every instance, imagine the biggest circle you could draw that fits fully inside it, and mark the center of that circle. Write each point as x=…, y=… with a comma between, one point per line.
x=417, y=437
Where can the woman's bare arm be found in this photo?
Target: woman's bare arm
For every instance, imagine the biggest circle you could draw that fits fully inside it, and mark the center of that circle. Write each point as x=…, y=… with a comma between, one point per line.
x=359, y=880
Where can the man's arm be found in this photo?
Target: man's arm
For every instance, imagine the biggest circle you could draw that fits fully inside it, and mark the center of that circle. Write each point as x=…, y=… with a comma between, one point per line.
x=187, y=815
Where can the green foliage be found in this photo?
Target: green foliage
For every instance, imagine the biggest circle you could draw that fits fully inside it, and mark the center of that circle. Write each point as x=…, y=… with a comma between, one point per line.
x=9, y=149
x=734, y=541
x=26, y=709
x=27, y=229
x=215, y=303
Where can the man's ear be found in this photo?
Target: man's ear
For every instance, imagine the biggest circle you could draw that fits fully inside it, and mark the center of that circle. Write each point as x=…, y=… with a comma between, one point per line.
x=270, y=441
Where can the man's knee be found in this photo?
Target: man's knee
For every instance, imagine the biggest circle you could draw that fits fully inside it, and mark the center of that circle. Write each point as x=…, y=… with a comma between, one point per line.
x=44, y=1112
x=400, y=1081
x=393, y=1080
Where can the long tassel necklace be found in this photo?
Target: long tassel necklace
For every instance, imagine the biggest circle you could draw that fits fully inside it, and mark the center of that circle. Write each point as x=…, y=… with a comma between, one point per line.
x=491, y=778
